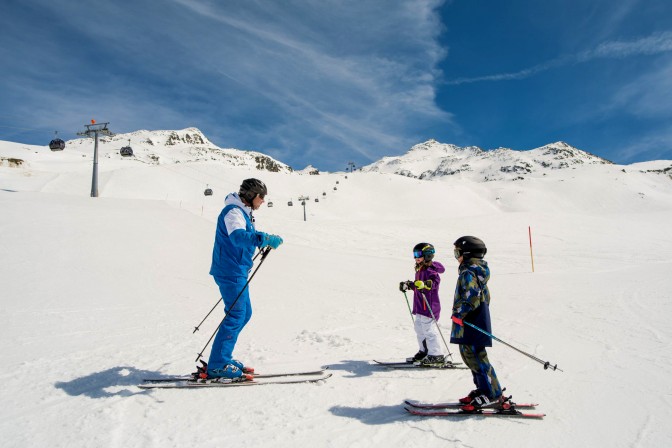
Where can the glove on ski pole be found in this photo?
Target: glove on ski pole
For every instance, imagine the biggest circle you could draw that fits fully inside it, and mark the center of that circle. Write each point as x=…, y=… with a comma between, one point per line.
x=405, y=286
x=546, y=364
x=419, y=284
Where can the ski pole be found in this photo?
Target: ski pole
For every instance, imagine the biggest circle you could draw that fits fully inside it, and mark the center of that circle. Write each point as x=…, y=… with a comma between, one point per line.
x=264, y=253
x=409, y=307
x=198, y=327
x=546, y=364
x=436, y=322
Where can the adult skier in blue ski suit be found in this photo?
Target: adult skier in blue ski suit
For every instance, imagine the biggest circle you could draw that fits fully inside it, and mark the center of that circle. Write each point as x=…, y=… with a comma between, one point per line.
x=236, y=240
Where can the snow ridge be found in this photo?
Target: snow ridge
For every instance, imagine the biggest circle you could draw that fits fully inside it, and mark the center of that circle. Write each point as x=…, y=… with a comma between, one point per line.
x=431, y=160
x=176, y=146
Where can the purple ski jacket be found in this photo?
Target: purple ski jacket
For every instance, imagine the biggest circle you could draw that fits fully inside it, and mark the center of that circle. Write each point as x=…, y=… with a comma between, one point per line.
x=425, y=273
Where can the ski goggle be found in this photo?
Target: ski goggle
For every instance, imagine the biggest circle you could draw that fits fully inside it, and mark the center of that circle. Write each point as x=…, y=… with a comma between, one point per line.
x=457, y=252
x=421, y=253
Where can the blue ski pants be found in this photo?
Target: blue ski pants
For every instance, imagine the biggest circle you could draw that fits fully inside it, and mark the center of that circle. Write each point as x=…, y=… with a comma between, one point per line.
x=234, y=321
x=476, y=358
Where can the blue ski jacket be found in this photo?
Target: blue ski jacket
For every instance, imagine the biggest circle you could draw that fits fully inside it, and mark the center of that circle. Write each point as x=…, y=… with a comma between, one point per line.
x=235, y=240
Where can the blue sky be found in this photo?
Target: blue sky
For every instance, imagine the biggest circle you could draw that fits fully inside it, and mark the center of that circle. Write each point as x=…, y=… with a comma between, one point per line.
x=325, y=82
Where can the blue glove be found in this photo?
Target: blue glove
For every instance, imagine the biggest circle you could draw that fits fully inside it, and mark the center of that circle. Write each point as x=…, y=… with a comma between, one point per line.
x=270, y=240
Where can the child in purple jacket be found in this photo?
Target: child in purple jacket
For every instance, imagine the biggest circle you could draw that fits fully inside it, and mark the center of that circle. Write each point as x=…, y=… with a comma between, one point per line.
x=426, y=304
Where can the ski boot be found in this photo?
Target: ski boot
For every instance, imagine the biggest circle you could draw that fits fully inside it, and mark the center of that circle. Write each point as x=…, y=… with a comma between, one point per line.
x=228, y=373
x=417, y=357
x=242, y=367
x=500, y=404
x=469, y=398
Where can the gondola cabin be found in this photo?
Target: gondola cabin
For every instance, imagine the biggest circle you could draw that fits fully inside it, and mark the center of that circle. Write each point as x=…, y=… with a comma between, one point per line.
x=208, y=192
x=270, y=204
x=290, y=203
x=126, y=151
x=56, y=144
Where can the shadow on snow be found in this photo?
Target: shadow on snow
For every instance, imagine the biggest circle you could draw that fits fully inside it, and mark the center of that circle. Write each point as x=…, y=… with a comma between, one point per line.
x=378, y=415
x=355, y=368
x=114, y=382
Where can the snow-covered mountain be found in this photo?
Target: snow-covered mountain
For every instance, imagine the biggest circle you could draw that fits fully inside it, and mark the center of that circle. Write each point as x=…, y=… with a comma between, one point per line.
x=173, y=146
x=431, y=160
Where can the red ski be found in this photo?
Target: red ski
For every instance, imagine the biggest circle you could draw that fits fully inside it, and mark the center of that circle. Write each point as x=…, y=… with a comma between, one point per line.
x=457, y=404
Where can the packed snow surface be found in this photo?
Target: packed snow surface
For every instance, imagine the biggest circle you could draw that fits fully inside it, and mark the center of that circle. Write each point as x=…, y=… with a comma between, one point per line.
x=99, y=293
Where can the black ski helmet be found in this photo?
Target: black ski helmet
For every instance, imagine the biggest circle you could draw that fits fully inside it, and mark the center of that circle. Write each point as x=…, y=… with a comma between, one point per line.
x=470, y=247
x=250, y=188
x=425, y=250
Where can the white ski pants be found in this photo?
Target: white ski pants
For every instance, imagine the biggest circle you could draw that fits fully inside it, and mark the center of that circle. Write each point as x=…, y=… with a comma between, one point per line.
x=426, y=330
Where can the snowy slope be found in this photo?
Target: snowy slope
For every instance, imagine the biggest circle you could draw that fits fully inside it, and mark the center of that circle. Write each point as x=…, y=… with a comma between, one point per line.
x=99, y=293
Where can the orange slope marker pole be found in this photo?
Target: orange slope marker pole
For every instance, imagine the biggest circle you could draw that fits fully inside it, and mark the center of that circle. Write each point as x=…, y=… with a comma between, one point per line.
x=529, y=230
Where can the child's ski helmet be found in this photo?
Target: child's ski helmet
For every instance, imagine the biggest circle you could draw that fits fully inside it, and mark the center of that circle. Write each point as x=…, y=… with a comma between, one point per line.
x=424, y=250
x=250, y=188
x=470, y=247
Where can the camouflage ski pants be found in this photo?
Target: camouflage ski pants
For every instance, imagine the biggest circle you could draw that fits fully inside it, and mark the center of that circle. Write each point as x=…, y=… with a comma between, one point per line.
x=485, y=378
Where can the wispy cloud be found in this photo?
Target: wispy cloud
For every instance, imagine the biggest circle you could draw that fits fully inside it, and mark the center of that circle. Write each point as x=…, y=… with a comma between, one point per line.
x=652, y=147
x=650, y=45
x=335, y=79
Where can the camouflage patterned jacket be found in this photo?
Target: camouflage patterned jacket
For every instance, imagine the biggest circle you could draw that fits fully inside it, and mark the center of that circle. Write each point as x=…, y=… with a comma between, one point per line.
x=472, y=304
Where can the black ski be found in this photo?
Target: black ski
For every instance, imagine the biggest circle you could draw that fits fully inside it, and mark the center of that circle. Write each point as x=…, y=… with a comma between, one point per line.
x=170, y=379
x=409, y=365
x=199, y=384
